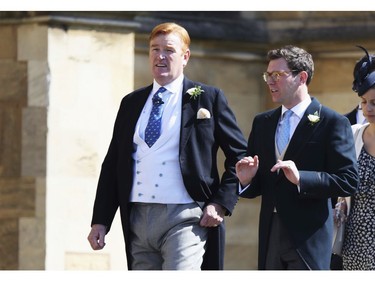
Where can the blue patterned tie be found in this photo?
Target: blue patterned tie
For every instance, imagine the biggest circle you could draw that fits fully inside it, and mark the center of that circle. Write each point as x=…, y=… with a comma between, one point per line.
x=284, y=131
x=152, y=132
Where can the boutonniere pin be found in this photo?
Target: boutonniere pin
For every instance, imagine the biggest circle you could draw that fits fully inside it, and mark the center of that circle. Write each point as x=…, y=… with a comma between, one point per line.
x=314, y=118
x=195, y=92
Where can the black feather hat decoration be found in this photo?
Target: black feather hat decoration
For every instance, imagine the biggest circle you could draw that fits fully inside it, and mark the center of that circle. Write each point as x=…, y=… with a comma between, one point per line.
x=364, y=74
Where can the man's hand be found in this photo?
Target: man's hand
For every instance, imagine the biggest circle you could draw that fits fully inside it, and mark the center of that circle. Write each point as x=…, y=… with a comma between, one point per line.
x=246, y=169
x=213, y=215
x=290, y=170
x=96, y=236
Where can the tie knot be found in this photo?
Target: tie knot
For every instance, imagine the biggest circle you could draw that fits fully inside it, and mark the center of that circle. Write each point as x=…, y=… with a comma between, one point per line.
x=156, y=99
x=287, y=114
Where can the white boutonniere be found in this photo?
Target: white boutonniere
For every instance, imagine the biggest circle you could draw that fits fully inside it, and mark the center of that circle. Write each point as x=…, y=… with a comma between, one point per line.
x=195, y=92
x=314, y=118
x=203, y=114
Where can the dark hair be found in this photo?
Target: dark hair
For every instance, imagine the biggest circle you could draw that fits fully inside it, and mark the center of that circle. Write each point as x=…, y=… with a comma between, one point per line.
x=297, y=60
x=364, y=73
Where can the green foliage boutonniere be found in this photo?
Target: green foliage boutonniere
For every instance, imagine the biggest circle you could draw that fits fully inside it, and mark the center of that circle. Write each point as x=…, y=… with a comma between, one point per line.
x=195, y=92
x=314, y=118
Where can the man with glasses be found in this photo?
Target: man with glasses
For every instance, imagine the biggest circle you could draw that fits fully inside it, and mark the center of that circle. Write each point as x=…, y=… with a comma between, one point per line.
x=296, y=161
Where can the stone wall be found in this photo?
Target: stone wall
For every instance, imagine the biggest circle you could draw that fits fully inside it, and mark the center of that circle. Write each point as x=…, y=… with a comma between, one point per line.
x=17, y=189
x=59, y=97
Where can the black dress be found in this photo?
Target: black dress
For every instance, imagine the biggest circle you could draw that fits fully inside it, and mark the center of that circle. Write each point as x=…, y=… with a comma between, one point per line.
x=359, y=243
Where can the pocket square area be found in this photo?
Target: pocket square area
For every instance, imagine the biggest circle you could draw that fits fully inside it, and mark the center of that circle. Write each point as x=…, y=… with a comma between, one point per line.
x=203, y=114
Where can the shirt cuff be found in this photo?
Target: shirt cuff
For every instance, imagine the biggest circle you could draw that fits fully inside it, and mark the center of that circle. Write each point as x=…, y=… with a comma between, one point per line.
x=242, y=189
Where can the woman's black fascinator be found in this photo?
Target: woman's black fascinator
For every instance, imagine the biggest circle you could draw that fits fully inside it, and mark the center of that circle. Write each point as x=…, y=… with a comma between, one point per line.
x=364, y=73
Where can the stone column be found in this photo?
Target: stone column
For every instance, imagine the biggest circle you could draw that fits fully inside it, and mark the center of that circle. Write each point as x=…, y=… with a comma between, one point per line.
x=17, y=190
x=90, y=72
x=60, y=93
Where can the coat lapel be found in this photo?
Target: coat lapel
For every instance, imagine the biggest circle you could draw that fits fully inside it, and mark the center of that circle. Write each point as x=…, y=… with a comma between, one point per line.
x=135, y=107
x=304, y=131
x=189, y=109
x=269, y=139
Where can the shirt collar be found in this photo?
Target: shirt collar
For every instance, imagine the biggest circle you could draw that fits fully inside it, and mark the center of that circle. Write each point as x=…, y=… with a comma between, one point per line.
x=173, y=87
x=300, y=108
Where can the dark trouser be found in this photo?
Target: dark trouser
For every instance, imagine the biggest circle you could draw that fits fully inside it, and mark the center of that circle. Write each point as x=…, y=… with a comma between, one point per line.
x=336, y=262
x=281, y=253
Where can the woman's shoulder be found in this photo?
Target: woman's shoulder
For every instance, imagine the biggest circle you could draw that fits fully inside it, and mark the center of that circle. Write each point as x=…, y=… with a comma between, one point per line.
x=358, y=129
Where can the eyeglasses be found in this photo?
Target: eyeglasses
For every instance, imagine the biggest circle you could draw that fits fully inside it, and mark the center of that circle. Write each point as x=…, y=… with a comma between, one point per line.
x=275, y=75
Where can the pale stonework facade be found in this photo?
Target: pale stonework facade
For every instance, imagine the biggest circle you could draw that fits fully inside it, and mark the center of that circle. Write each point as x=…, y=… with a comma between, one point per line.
x=59, y=95
x=60, y=106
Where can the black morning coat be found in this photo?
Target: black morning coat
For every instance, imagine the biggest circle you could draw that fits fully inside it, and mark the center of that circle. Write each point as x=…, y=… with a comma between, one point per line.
x=199, y=143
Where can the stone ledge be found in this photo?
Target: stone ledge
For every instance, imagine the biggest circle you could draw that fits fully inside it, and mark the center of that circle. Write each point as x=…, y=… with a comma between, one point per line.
x=84, y=261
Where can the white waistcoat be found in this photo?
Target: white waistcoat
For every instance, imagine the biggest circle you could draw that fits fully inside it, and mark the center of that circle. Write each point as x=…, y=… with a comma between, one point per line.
x=157, y=173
